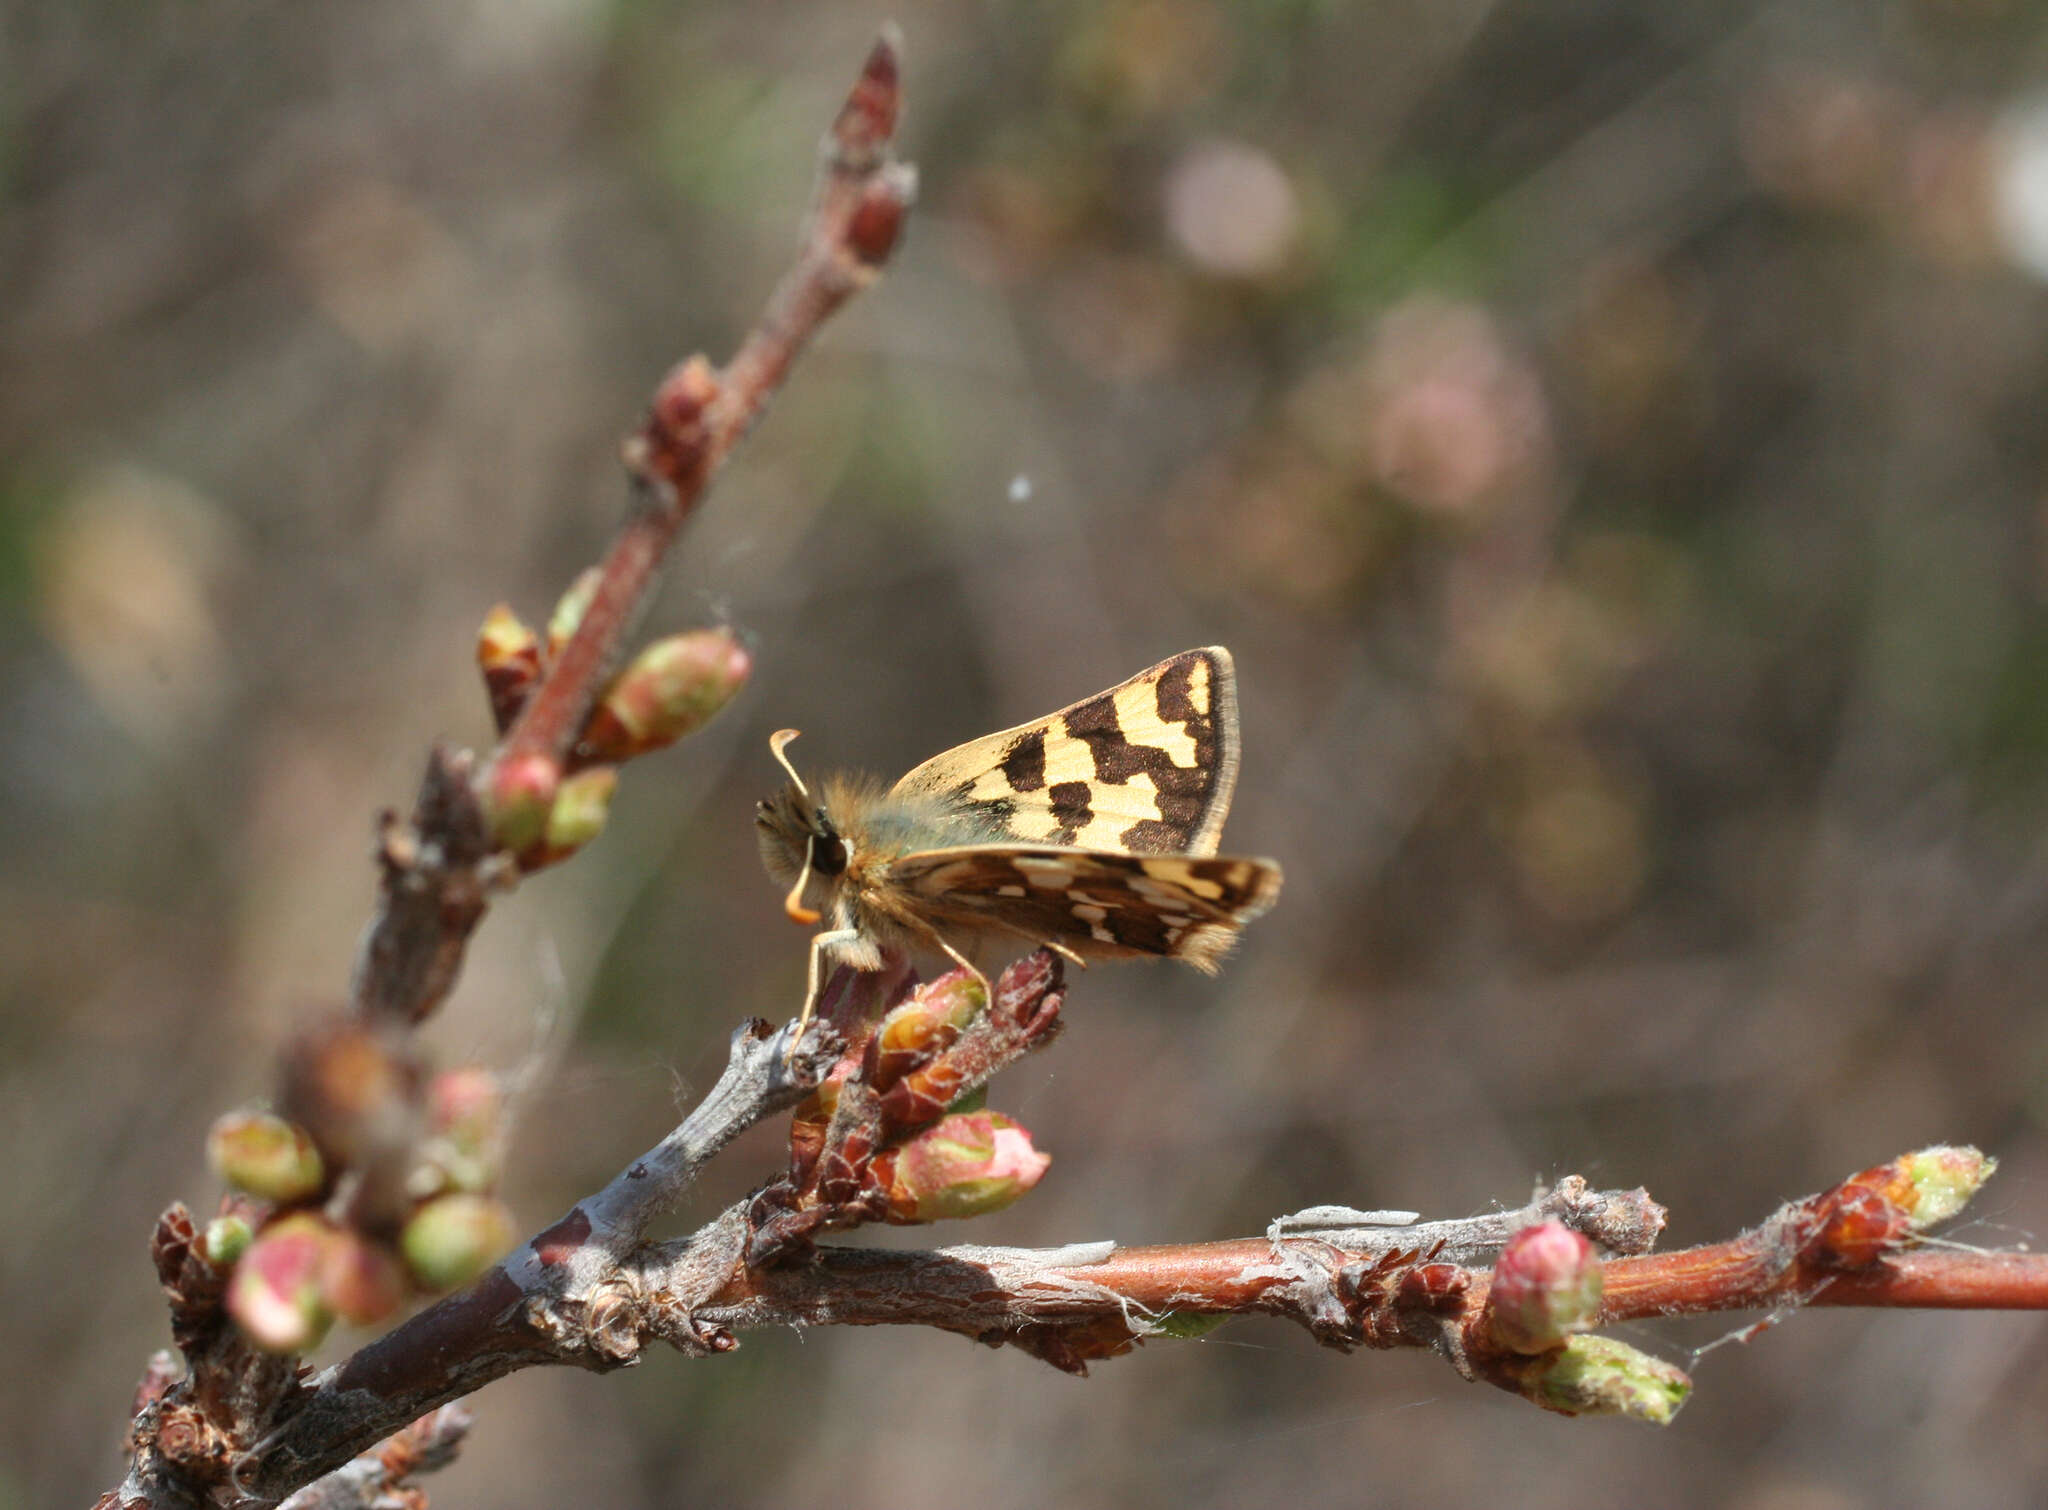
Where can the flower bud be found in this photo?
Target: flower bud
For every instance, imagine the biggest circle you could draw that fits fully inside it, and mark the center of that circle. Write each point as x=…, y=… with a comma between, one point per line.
x=924, y=1025
x=508, y=654
x=570, y=609
x=266, y=1156
x=671, y=688
x=467, y=1128
x=964, y=1165
x=1940, y=1181
x=1546, y=1285
x=360, y=1280
x=274, y=1295
x=454, y=1238
x=812, y=1120
x=354, y=1089
x=1872, y=1212
x=519, y=795
x=1597, y=1376
x=225, y=1240
x=581, y=807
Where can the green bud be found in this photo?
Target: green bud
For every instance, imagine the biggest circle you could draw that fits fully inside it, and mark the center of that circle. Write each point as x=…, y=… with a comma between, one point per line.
x=1597, y=1376
x=1942, y=1181
x=582, y=804
x=225, y=1240
x=265, y=1156
x=453, y=1238
x=672, y=688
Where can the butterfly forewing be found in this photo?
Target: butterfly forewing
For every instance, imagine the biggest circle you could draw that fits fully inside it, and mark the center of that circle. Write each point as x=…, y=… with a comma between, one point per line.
x=1177, y=906
x=1147, y=767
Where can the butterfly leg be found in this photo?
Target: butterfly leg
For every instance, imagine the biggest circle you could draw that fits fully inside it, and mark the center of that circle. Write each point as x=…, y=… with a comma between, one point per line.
x=820, y=942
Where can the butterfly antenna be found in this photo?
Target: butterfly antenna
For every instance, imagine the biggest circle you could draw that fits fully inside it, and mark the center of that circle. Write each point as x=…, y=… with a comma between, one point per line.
x=778, y=742
x=793, y=904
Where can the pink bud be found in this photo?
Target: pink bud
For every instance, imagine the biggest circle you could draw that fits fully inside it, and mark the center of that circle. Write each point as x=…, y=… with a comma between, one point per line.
x=519, y=794
x=1546, y=1285
x=360, y=1280
x=275, y=1293
x=467, y=1125
x=965, y=1165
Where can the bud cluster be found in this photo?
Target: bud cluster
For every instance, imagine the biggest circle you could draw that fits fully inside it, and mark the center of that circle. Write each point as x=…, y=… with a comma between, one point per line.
x=314, y=1247
x=889, y=1136
x=543, y=811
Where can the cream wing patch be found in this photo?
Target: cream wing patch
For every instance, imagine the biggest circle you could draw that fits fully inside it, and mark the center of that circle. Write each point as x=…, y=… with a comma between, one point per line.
x=1147, y=767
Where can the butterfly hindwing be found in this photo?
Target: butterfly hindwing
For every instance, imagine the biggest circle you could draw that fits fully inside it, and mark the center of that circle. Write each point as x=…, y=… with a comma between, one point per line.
x=1096, y=903
x=1146, y=767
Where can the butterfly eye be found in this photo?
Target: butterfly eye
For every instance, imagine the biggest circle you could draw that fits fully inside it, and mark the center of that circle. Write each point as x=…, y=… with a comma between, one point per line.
x=828, y=854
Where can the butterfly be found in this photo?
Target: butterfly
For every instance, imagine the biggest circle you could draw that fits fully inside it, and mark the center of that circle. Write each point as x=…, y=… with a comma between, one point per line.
x=1091, y=831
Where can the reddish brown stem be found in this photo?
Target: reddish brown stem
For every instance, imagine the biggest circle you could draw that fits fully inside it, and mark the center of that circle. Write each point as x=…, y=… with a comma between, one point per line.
x=1729, y=1277
x=698, y=415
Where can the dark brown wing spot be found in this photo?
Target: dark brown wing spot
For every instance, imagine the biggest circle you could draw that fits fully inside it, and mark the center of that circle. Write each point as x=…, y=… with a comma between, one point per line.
x=1184, y=791
x=1176, y=699
x=1024, y=766
x=1070, y=808
x=1134, y=927
x=1148, y=836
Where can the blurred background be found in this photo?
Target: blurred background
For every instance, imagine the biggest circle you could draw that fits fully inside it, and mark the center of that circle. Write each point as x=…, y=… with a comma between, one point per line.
x=1609, y=433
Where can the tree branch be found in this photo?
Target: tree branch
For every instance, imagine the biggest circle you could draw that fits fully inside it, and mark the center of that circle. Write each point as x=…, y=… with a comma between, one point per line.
x=235, y=1429
x=1375, y=1283
x=439, y=869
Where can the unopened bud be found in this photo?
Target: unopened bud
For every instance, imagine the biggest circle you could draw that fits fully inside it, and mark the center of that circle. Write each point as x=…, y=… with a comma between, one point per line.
x=570, y=609
x=1941, y=1181
x=518, y=796
x=354, y=1089
x=964, y=1165
x=467, y=1127
x=360, y=1280
x=1546, y=1285
x=581, y=808
x=925, y=1025
x=225, y=1240
x=877, y=220
x=671, y=688
x=1871, y=1213
x=266, y=1156
x=812, y=1120
x=453, y=1238
x=275, y=1293
x=508, y=654
x=1597, y=1376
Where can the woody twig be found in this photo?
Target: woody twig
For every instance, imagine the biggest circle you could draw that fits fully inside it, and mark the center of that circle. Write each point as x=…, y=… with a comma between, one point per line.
x=373, y=1178
x=439, y=868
